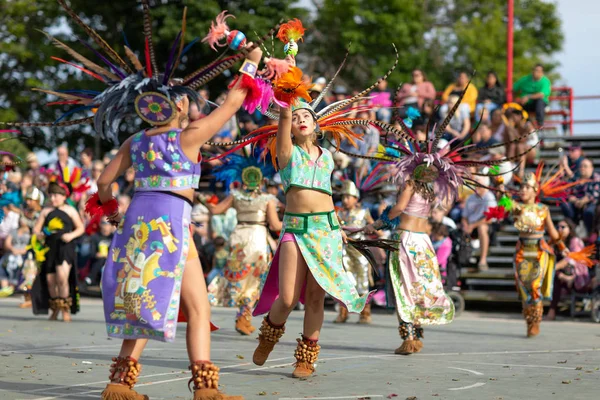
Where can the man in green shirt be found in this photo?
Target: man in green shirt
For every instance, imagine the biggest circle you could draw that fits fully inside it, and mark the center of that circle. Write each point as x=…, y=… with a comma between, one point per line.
x=533, y=91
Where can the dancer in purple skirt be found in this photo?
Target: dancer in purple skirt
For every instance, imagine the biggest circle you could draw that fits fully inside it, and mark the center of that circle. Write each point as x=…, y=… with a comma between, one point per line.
x=152, y=262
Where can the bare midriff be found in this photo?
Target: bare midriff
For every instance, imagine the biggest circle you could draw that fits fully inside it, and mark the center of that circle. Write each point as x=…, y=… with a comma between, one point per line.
x=412, y=223
x=305, y=201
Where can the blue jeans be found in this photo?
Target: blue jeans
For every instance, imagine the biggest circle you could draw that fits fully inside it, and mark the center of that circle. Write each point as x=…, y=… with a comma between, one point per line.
x=577, y=214
x=489, y=106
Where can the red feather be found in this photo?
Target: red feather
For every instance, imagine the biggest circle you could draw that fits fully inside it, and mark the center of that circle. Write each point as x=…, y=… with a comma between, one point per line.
x=499, y=213
x=87, y=71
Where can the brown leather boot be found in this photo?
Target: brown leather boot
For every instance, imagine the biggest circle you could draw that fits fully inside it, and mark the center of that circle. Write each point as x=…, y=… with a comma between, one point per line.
x=306, y=355
x=411, y=343
x=365, y=315
x=533, y=316
x=268, y=337
x=65, y=307
x=54, y=304
x=342, y=316
x=205, y=376
x=123, y=377
x=243, y=323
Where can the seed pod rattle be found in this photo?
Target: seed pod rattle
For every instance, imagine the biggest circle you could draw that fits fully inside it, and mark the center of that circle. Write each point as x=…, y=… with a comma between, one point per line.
x=290, y=33
x=220, y=35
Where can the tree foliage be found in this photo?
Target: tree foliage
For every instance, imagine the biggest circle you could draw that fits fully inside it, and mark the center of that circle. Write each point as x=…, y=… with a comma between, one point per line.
x=438, y=36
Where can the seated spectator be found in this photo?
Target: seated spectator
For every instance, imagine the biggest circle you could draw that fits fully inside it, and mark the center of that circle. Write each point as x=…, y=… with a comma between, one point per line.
x=438, y=215
x=219, y=259
x=15, y=250
x=415, y=93
x=570, y=275
x=100, y=242
x=456, y=88
x=86, y=158
x=474, y=222
x=124, y=202
x=498, y=125
x=460, y=124
x=127, y=182
x=442, y=245
x=533, y=92
x=571, y=162
x=428, y=113
x=518, y=126
x=581, y=205
x=382, y=100
x=483, y=137
x=491, y=96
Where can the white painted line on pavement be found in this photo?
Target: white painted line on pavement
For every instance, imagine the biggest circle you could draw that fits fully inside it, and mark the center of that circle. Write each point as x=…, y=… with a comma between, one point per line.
x=468, y=370
x=362, y=396
x=479, y=384
x=513, y=365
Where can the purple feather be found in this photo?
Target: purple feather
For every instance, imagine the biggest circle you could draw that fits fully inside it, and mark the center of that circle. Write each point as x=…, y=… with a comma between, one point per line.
x=170, y=61
x=112, y=66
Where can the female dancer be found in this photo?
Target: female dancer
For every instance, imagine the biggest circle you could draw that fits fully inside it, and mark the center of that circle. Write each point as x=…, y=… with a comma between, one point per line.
x=151, y=262
x=56, y=285
x=311, y=241
x=534, y=259
x=249, y=245
x=427, y=178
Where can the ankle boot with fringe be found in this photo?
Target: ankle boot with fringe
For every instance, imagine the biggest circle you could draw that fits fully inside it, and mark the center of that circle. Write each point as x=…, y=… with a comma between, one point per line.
x=411, y=343
x=123, y=377
x=205, y=377
x=65, y=306
x=243, y=323
x=54, y=304
x=306, y=355
x=268, y=337
x=342, y=316
x=533, y=317
x=365, y=315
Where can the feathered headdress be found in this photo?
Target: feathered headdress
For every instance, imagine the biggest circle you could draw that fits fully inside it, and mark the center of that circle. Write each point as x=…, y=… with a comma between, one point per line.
x=332, y=119
x=438, y=169
x=133, y=87
x=245, y=169
x=550, y=187
x=72, y=181
x=4, y=165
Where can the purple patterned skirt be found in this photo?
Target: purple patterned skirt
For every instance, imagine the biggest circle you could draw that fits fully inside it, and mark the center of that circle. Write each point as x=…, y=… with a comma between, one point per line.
x=141, y=283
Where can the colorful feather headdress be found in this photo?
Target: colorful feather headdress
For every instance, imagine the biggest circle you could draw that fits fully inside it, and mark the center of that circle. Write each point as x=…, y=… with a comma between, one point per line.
x=6, y=165
x=549, y=187
x=442, y=169
x=72, y=181
x=243, y=168
x=132, y=87
x=332, y=119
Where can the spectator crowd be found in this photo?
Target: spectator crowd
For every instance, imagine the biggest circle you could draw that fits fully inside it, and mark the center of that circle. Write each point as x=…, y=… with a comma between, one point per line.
x=23, y=187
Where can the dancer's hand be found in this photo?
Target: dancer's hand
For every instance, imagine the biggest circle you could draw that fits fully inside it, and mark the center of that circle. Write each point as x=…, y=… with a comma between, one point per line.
x=344, y=237
x=565, y=253
x=255, y=55
x=370, y=229
x=291, y=60
x=66, y=238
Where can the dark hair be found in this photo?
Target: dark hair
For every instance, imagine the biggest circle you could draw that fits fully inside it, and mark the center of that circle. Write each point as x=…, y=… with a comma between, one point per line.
x=439, y=229
x=88, y=152
x=422, y=73
x=55, y=188
x=538, y=65
x=219, y=241
x=572, y=230
x=498, y=84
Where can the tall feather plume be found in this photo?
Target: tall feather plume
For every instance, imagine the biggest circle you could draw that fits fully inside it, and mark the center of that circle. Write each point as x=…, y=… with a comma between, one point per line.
x=205, y=74
x=148, y=34
x=181, y=42
x=323, y=93
x=342, y=104
x=439, y=132
x=62, y=95
x=134, y=59
x=86, y=120
x=89, y=64
x=96, y=37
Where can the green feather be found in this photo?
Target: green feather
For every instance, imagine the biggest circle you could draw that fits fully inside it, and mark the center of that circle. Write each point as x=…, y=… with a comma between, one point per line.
x=506, y=202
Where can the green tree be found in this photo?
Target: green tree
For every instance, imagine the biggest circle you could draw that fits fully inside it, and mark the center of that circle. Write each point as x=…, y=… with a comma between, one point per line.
x=25, y=52
x=14, y=146
x=438, y=36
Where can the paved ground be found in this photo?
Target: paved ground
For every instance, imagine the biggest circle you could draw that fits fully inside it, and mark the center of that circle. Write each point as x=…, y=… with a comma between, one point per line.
x=479, y=356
